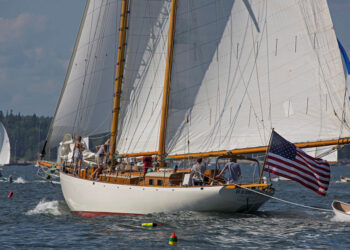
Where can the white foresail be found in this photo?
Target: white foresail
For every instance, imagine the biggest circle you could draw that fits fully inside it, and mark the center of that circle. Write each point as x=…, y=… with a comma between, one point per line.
x=142, y=88
x=86, y=102
x=243, y=67
x=4, y=146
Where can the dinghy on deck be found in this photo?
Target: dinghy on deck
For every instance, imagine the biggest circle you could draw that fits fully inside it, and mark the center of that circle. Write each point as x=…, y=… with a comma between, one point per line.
x=341, y=210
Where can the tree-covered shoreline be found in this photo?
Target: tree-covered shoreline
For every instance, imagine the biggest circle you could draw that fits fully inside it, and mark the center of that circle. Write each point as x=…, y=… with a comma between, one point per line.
x=27, y=134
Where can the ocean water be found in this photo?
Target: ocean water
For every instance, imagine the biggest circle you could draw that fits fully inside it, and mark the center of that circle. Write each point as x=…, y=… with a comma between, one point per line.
x=37, y=217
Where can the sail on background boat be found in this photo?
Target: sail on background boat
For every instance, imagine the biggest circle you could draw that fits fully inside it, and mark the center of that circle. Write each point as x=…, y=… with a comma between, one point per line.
x=5, y=150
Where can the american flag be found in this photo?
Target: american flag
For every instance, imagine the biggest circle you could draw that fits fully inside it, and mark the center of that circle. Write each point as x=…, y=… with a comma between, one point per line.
x=287, y=160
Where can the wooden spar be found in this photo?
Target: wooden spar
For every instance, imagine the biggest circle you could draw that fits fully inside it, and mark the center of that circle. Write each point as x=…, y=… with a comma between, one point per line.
x=259, y=149
x=119, y=73
x=138, y=154
x=166, y=90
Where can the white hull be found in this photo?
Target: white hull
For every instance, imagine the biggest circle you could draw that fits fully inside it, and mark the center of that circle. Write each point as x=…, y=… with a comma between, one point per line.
x=89, y=198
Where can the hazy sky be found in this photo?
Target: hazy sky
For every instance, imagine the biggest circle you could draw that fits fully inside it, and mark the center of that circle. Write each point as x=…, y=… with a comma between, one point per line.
x=36, y=42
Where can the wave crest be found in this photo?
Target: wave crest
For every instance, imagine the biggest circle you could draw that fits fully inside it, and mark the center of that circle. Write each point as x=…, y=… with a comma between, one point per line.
x=45, y=207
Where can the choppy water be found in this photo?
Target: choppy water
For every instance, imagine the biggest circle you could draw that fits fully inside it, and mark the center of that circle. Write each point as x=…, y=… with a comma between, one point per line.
x=36, y=216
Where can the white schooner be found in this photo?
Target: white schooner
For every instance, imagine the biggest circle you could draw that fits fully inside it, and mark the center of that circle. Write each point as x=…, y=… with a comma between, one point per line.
x=179, y=80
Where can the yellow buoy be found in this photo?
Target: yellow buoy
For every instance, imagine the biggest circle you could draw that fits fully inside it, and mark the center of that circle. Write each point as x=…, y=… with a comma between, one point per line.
x=150, y=224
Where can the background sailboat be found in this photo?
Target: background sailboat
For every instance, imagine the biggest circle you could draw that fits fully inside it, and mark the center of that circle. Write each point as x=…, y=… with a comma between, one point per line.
x=5, y=150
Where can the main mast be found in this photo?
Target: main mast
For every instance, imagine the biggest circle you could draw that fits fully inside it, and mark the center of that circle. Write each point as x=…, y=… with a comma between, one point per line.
x=168, y=68
x=119, y=73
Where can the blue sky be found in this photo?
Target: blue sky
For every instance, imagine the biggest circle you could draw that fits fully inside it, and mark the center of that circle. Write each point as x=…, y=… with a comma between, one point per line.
x=36, y=42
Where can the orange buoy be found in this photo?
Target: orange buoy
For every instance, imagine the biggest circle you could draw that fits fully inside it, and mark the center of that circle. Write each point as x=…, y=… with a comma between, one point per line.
x=173, y=239
x=10, y=194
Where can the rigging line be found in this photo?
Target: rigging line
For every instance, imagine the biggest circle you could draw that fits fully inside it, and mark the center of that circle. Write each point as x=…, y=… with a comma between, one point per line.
x=96, y=42
x=303, y=12
x=246, y=84
x=58, y=193
x=268, y=64
x=87, y=63
x=158, y=29
x=285, y=201
x=256, y=53
x=98, y=137
x=99, y=44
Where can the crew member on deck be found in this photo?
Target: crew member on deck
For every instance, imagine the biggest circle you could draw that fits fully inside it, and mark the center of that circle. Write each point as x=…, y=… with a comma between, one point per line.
x=197, y=172
x=78, y=154
x=101, y=155
x=234, y=171
x=147, y=163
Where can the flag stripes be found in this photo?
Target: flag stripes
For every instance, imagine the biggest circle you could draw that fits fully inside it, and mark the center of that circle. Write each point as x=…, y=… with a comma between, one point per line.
x=286, y=160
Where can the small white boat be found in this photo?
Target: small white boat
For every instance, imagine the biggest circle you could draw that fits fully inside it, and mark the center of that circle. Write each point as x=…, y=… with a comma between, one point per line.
x=341, y=210
x=344, y=179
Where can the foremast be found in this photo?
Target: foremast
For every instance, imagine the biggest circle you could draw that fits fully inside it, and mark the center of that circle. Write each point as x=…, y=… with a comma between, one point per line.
x=119, y=73
x=167, y=78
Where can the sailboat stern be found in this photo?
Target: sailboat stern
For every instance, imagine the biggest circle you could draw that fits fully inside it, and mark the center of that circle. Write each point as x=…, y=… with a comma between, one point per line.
x=247, y=197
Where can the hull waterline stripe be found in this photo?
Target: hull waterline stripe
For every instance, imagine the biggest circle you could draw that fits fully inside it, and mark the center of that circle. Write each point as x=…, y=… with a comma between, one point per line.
x=86, y=214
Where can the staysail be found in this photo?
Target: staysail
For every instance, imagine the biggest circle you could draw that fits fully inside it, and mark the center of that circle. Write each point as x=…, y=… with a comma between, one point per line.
x=142, y=88
x=86, y=100
x=4, y=146
x=241, y=68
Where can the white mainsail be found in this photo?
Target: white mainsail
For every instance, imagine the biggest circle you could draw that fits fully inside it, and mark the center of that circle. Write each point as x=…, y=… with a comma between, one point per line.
x=5, y=150
x=142, y=89
x=241, y=68
x=86, y=100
